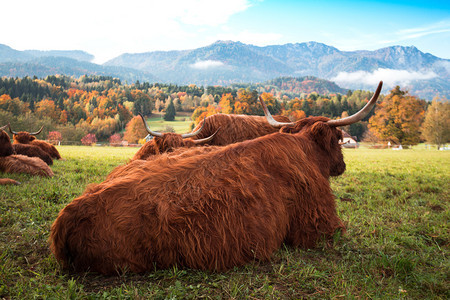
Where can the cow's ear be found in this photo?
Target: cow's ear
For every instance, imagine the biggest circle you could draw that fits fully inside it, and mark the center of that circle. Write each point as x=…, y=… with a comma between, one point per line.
x=321, y=133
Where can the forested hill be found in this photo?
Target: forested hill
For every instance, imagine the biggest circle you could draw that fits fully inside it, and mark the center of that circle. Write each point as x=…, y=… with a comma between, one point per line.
x=103, y=105
x=295, y=86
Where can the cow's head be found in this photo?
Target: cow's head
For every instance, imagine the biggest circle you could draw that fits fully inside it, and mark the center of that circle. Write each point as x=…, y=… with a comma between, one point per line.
x=167, y=142
x=325, y=134
x=24, y=137
x=6, y=148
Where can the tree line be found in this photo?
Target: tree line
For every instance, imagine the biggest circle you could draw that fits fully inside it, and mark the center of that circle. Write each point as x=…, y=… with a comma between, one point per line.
x=102, y=106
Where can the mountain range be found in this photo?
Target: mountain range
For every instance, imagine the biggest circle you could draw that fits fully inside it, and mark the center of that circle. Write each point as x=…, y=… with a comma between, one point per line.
x=227, y=62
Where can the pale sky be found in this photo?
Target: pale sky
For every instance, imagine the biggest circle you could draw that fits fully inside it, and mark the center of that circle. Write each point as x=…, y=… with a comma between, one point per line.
x=108, y=28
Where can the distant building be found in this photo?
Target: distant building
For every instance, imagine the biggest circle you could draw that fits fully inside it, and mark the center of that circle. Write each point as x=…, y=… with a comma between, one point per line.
x=349, y=141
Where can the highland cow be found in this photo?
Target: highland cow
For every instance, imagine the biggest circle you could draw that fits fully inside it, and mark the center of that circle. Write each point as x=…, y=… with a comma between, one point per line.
x=167, y=142
x=214, y=210
x=5, y=143
x=23, y=137
x=24, y=164
x=233, y=129
x=32, y=151
x=11, y=163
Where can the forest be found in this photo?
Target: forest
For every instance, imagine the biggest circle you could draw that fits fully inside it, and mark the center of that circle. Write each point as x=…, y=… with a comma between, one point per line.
x=101, y=106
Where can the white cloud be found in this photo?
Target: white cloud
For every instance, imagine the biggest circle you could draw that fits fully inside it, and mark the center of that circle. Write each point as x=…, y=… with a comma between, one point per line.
x=390, y=77
x=412, y=33
x=207, y=64
x=107, y=28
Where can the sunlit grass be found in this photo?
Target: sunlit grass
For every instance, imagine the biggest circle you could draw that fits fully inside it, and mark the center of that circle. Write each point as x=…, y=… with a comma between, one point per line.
x=182, y=123
x=395, y=205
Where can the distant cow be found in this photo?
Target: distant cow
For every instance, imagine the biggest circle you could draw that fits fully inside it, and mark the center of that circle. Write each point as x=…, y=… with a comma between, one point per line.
x=233, y=129
x=32, y=151
x=11, y=163
x=167, y=142
x=24, y=164
x=214, y=210
x=23, y=137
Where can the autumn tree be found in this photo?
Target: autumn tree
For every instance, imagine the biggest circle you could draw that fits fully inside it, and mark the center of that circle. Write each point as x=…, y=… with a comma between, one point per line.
x=226, y=103
x=436, y=127
x=89, y=139
x=47, y=108
x=134, y=130
x=115, y=139
x=398, y=118
x=14, y=106
x=247, y=103
x=54, y=137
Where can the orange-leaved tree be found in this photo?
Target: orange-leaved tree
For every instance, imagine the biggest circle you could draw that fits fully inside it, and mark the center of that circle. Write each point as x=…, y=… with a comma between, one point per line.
x=436, y=127
x=398, y=118
x=135, y=130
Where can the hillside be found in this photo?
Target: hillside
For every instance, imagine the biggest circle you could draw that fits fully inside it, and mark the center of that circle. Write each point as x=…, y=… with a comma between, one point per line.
x=295, y=86
x=226, y=62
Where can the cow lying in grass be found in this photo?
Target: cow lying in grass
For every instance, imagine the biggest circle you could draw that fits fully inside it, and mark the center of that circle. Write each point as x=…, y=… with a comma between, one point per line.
x=12, y=163
x=210, y=208
x=218, y=130
x=24, y=137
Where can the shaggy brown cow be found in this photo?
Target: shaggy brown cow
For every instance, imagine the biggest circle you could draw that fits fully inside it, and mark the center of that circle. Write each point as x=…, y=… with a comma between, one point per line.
x=24, y=164
x=167, y=142
x=24, y=149
x=10, y=163
x=235, y=128
x=23, y=137
x=220, y=208
x=32, y=151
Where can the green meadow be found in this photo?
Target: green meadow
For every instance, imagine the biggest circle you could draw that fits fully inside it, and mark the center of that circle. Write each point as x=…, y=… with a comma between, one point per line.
x=395, y=205
x=182, y=123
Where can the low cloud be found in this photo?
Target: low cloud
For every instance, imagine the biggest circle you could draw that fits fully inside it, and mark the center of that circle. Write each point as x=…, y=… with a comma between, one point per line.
x=207, y=64
x=390, y=77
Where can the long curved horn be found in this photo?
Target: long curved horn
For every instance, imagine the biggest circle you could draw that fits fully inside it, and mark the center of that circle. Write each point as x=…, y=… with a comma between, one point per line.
x=10, y=130
x=205, y=140
x=360, y=114
x=270, y=119
x=187, y=135
x=4, y=127
x=154, y=133
x=37, y=132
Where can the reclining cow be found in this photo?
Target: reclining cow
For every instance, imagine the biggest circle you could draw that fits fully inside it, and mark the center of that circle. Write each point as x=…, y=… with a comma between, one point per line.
x=212, y=210
x=13, y=163
x=218, y=130
x=24, y=137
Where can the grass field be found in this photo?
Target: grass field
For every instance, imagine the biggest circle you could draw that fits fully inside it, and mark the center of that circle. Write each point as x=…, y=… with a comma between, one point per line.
x=395, y=205
x=181, y=124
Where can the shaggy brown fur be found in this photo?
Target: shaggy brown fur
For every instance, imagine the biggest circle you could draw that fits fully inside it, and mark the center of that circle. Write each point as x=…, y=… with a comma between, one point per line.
x=166, y=143
x=5, y=181
x=233, y=128
x=206, y=208
x=24, y=137
x=32, y=151
x=5, y=144
x=25, y=164
x=236, y=128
